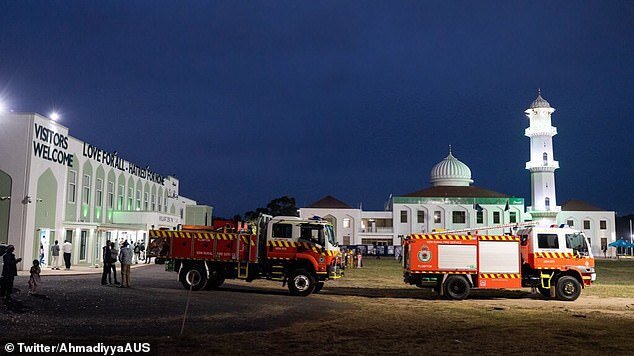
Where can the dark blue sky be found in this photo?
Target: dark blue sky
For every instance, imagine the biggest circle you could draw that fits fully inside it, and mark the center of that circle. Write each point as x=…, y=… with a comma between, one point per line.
x=248, y=101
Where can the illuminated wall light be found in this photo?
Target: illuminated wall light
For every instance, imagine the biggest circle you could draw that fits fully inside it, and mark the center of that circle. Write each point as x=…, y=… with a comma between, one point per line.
x=54, y=115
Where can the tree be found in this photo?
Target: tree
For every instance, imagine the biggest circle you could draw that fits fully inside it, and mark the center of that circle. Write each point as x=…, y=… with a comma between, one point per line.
x=284, y=206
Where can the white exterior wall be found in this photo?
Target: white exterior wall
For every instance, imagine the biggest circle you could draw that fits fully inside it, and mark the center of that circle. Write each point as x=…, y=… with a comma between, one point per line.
x=446, y=222
x=336, y=217
x=18, y=137
x=595, y=233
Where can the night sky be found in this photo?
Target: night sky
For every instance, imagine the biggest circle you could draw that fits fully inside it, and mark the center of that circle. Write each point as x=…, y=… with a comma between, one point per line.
x=249, y=101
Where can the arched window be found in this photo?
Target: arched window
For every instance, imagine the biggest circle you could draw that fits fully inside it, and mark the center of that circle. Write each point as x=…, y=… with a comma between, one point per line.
x=547, y=201
x=545, y=158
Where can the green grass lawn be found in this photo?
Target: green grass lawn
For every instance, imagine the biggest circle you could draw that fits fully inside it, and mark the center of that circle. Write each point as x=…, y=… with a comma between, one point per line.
x=615, y=278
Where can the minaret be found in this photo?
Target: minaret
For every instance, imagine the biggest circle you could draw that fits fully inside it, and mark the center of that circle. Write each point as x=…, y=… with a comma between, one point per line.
x=542, y=165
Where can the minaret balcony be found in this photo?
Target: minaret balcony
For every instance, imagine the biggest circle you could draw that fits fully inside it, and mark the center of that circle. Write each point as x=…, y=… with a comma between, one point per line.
x=540, y=131
x=542, y=166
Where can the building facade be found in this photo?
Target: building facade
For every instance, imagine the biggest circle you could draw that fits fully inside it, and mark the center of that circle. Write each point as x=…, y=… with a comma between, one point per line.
x=453, y=203
x=55, y=187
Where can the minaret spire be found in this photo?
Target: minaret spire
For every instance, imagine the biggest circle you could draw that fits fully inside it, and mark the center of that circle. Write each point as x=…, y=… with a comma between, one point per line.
x=542, y=164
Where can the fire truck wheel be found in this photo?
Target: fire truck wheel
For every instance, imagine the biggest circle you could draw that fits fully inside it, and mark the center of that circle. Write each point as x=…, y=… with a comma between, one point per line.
x=301, y=282
x=318, y=287
x=568, y=288
x=194, y=277
x=456, y=287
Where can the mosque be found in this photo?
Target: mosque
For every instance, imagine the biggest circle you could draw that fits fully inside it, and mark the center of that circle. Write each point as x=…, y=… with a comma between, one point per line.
x=452, y=202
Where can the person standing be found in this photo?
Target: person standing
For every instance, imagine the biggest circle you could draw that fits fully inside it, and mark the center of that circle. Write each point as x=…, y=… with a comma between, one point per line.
x=137, y=252
x=9, y=271
x=34, y=280
x=55, y=255
x=106, y=256
x=67, y=247
x=125, y=257
x=114, y=255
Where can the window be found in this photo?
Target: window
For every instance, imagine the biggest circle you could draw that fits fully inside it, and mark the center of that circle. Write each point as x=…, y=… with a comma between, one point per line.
x=437, y=217
x=346, y=240
x=130, y=197
x=458, y=217
x=72, y=186
x=604, y=245
x=512, y=217
x=346, y=223
x=283, y=231
x=181, y=213
x=110, y=195
x=576, y=242
x=496, y=217
x=603, y=224
x=138, y=199
x=570, y=223
x=547, y=241
x=586, y=224
x=86, y=190
x=165, y=204
x=420, y=216
x=545, y=156
x=153, y=202
x=403, y=216
x=69, y=236
x=82, y=245
x=547, y=202
x=480, y=217
x=146, y=203
x=99, y=195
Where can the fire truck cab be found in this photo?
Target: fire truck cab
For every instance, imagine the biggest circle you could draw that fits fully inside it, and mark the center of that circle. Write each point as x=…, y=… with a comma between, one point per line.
x=557, y=261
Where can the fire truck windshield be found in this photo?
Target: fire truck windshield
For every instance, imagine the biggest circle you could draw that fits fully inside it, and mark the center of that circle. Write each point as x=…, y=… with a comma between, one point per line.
x=577, y=242
x=330, y=234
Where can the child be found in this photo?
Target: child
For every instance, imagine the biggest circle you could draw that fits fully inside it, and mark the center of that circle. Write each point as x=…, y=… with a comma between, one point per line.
x=34, y=281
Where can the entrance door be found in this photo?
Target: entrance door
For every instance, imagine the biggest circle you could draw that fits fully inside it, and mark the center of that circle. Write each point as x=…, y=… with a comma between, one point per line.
x=44, y=247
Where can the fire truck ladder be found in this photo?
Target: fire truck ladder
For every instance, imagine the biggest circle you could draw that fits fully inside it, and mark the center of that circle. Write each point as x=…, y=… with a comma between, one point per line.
x=243, y=268
x=486, y=228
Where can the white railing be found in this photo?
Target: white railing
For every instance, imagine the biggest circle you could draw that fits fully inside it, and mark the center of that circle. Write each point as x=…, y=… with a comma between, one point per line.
x=381, y=230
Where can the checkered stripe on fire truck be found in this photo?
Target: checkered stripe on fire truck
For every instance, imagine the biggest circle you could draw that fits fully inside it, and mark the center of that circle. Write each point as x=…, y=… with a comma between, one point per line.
x=499, y=275
x=199, y=235
x=554, y=254
x=443, y=272
x=440, y=237
x=295, y=244
x=498, y=238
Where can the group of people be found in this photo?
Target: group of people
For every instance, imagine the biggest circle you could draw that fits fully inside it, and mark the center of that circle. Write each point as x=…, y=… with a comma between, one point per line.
x=111, y=255
x=352, y=259
x=10, y=271
x=67, y=249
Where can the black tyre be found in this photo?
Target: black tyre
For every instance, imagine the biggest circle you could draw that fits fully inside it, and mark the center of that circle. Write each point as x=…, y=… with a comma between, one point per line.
x=568, y=288
x=318, y=287
x=456, y=287
x=215, y=280
x=545, y=292
x=194, y=277
x=301, y=282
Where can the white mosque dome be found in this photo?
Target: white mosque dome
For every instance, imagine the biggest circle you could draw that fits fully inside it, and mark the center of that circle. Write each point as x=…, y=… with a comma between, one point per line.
x=539, y=102
x=450, y=172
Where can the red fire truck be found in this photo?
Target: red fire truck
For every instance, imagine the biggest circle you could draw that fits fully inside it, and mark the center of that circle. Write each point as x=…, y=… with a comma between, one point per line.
x=302, y=253
x=556, y=261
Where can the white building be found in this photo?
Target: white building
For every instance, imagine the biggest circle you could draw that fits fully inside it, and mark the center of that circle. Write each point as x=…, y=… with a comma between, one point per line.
x=453, y=203
x=56, y=187
x=450, y=203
